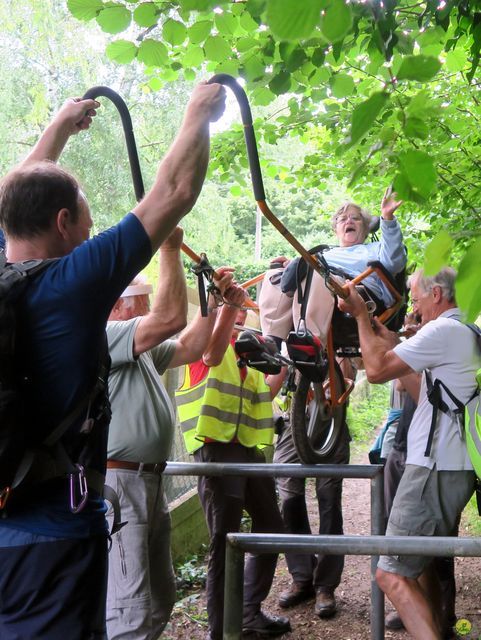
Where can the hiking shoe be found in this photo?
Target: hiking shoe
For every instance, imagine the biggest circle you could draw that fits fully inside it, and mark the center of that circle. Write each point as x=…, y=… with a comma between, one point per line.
x=305, y=350
x=265, y=625
x=325, y=606
x=258, y=352
x=298, y=592
x=393, y=621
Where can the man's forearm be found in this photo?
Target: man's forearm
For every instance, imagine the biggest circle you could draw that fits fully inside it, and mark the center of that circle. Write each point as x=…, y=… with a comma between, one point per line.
x=221, y=336
x=193, y=341
x=50, y=144
x=168, y=314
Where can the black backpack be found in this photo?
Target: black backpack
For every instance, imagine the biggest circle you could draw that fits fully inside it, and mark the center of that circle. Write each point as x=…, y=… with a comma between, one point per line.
x=13, y=437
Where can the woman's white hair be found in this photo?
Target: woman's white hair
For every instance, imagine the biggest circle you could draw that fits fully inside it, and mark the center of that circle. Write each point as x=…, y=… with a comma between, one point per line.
x=364, y=213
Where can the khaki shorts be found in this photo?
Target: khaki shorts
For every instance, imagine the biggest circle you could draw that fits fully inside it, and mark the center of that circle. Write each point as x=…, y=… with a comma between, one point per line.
x=427, y=503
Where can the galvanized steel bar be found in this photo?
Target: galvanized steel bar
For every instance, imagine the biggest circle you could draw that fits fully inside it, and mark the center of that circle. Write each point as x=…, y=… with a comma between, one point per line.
x=333, y=545
x=366, y=471
x=356, y=545
x=233, y=592
x=377, y=529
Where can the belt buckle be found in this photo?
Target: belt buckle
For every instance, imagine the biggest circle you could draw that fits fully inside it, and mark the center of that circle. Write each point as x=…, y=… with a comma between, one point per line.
x=78, y=489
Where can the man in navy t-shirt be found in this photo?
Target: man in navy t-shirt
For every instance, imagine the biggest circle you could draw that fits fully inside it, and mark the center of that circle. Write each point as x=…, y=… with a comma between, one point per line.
x=53, y=560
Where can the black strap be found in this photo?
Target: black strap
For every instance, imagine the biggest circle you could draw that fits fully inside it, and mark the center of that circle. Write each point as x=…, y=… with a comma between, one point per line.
x=435, y=398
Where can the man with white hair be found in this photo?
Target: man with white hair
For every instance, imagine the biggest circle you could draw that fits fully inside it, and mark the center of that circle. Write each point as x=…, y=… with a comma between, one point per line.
x=438, y=480
x=141, y=586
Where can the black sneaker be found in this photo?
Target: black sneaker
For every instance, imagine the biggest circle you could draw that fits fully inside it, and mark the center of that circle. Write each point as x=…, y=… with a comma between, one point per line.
x=258, y=352
x=305, y=350
x=265, y=625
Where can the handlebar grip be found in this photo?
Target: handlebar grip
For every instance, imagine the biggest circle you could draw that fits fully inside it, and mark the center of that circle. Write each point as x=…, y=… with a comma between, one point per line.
x=250, y=138
x=123, y=110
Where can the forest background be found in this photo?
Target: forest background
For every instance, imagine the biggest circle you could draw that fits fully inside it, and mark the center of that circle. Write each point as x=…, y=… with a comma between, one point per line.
x=347, y=98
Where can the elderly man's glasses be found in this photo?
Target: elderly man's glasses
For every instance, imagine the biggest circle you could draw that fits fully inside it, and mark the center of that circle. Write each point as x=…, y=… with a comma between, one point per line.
x=354, y=217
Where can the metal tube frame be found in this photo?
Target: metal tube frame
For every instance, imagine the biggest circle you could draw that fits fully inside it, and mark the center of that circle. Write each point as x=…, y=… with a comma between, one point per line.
x=234, y=576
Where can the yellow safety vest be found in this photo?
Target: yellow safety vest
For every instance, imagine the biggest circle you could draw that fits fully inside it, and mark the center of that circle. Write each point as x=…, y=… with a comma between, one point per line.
x=223, y=406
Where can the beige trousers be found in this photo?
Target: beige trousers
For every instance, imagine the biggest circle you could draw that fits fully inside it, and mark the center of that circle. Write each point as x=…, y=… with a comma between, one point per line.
x=279, y=312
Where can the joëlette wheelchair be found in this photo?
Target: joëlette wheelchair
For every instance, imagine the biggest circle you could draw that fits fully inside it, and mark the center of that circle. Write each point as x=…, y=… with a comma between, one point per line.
x=318, y=409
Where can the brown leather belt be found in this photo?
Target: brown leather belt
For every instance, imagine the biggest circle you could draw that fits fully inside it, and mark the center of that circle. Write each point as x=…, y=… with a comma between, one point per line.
x=141, y=467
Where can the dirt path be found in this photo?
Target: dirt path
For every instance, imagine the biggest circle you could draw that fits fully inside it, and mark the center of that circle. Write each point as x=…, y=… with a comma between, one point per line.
x=353, y=595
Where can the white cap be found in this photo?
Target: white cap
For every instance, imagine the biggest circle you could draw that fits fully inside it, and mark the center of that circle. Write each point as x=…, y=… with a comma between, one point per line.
x=139, y=287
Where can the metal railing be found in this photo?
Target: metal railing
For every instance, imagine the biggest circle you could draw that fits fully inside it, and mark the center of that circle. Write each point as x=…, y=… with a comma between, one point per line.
x=240, y=543
x=374, y=473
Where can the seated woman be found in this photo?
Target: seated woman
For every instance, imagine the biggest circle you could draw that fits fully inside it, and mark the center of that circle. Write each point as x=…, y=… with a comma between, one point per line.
x=279, y=311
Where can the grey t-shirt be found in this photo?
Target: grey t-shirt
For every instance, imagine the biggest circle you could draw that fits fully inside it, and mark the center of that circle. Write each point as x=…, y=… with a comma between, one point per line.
x=143, y=418
x=448, y=350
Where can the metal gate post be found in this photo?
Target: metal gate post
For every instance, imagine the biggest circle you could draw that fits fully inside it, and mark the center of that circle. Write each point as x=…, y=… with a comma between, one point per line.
x=233, y=592
x=377, y=529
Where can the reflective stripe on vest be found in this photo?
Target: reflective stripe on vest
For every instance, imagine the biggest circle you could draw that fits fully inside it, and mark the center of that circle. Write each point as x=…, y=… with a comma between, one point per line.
x=223, y=406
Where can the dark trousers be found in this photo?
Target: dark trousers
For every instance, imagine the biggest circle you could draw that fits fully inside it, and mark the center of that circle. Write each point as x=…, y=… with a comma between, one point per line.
x=54, y=590
x=444, y=567
x=223, y=500
x=324, y=571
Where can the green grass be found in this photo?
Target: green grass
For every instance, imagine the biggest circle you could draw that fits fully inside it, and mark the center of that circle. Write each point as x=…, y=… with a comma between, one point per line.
x=365, y=414
x=471, y=518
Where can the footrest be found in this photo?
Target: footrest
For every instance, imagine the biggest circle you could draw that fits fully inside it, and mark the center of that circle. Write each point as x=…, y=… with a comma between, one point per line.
x=258, y=352
x=305, y=350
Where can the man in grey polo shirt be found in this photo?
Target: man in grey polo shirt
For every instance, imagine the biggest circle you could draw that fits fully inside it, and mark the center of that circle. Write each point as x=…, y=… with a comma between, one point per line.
x=141, y=587
x=438, y=480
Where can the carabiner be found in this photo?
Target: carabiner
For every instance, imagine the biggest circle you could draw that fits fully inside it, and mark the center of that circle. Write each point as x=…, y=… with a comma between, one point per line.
x=83, y=492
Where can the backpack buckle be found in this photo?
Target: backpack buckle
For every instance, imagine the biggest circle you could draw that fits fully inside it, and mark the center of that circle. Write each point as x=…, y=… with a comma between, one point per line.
x=4, y=495
x=79, y=492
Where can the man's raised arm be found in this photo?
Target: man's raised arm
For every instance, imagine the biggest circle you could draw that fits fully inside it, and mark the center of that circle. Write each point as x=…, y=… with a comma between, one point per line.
x=182, y=171
x=75, y=115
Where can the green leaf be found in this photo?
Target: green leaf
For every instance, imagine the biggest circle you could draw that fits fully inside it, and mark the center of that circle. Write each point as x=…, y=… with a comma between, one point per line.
x=246, y=44
x=342, y=85
x=436, y=254
x=174, y=32
x=194, y=57
x=248, y=23
x=146, y=14
x=199, y=31
x=253, y=69
x=153, y=53
x=198, y=5
x=235, y=190
x=456, y=60
x=217, y=49
x=336, y=21
x=292, y=19
x=114, y=19
x=84, y=9
x=280, y=83
x=419, y=68
x=418, y=168
x=365, y=114
x=262, y=96
x=416, y=128
x=155, y=84
x=121, y=51
x=468, y=282
x=189, y=75
x=227, y=24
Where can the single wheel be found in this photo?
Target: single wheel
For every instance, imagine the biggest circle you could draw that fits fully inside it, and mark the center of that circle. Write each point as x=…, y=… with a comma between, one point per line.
x=316, y=426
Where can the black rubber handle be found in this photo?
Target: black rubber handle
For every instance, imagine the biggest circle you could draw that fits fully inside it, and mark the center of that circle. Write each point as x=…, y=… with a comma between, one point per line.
x=123, y=110
x=250, y=137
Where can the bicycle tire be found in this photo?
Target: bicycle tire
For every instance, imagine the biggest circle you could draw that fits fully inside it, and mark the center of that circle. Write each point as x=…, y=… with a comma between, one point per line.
x=316, y=429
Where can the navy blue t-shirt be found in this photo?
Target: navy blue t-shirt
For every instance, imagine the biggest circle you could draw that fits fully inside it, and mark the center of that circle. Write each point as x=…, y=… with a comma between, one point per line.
x=61, y=332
